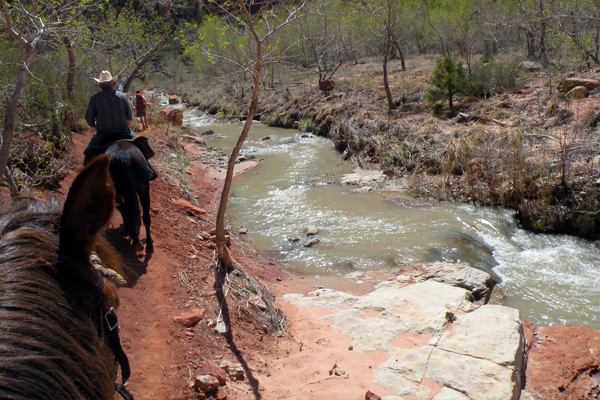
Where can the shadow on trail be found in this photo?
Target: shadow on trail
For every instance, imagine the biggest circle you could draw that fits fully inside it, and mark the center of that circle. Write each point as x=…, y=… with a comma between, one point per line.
x=135, y=258
x=220, y=276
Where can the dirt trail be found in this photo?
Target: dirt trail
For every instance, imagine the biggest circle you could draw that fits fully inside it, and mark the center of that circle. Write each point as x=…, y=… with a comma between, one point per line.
x=177, y=278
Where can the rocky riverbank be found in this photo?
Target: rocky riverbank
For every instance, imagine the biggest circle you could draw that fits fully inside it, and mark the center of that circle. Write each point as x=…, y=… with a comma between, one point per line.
x=440, y=340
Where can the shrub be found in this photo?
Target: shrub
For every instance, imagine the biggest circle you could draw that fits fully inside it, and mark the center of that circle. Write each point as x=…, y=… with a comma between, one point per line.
x=493, y=78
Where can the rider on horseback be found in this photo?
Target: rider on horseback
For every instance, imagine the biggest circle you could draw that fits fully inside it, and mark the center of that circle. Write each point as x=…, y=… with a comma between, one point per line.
x=109, y=111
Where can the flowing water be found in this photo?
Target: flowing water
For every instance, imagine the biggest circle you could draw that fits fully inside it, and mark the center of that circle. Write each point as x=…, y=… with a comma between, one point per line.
x=551, y=279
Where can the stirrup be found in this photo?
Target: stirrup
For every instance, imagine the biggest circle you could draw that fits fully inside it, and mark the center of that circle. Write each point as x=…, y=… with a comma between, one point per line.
x=153, y=173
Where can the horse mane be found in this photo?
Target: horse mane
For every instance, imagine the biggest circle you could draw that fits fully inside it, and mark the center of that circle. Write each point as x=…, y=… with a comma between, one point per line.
x=49, y=347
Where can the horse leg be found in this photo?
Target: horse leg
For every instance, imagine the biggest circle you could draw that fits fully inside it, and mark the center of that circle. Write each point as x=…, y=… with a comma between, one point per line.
x=130, y=212
x=144, y=195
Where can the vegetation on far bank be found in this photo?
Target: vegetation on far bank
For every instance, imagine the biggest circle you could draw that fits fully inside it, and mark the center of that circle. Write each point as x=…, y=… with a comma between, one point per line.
x=434, y=91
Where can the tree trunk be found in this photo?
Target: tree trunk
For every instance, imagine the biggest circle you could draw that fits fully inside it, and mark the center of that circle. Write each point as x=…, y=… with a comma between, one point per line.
x=386, y=83
x=71, y=73
x=220, y=240
x=530, y=44
x=142, y=63
x=400, y=52
x=11, y=108
x=543, y=24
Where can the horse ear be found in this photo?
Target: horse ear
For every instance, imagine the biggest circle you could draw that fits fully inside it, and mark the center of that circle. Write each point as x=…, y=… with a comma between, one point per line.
x=87, y=210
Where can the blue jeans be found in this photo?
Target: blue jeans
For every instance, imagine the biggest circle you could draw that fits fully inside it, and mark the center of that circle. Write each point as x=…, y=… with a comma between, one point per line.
x=102, y=139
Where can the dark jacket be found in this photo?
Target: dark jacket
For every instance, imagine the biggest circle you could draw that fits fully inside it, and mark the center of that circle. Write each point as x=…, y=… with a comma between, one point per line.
x=108, y=109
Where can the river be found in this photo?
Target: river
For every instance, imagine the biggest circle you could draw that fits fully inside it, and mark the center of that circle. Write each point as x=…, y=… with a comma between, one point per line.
x=551, y=279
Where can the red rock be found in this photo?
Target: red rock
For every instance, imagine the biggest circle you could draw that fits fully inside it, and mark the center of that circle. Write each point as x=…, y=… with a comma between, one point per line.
x=211, y=368
x=173, y=115
x=190, y=319
x=200, y=396
x=174, y=99
x=371, y=396
x=206, y=383
x=326, y=85
x=570, y=83
x=221, y=395
x=562, y=362
x=188, y=206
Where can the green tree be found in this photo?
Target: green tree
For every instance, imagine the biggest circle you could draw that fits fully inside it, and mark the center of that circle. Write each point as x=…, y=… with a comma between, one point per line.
x=30, y=25
x=130, y=41
x=448, y=80
x=261, y=30
x=382, y=19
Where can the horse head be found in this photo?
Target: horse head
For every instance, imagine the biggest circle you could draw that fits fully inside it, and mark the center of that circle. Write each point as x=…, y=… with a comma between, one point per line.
x=52, y=299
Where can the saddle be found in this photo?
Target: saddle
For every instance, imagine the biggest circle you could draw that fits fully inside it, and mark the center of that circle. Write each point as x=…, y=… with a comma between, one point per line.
x=141, y=142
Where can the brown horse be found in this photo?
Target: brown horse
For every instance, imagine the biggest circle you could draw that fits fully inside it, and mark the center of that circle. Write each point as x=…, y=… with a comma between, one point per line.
x=54, y=341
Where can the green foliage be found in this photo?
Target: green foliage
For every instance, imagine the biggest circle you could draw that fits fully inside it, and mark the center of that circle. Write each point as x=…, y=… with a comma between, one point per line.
x=269, y=118
x=305, y=124
x=448, y=80
x=494, y=78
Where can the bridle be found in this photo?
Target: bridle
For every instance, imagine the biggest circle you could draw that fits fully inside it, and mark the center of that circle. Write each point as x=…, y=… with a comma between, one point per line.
x=108, y=330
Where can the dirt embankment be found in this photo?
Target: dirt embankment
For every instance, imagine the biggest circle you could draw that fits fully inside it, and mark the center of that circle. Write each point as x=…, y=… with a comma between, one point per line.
x=534, y=150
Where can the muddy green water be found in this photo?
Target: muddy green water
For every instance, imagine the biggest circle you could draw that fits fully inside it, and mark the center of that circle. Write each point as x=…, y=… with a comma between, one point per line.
x=551, y=279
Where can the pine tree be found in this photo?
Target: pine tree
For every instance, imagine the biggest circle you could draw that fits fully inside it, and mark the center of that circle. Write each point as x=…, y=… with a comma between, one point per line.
x=448, y=80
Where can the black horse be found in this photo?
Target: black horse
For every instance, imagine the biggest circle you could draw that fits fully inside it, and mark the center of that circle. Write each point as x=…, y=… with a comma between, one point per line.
x=54, y=341
x=131, y=177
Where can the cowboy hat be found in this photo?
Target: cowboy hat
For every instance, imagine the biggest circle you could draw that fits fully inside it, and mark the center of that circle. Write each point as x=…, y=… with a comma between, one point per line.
x=106, y=76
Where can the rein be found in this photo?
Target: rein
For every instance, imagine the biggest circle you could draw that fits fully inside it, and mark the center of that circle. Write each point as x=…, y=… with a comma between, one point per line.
x=108, y=329
x=104, y=317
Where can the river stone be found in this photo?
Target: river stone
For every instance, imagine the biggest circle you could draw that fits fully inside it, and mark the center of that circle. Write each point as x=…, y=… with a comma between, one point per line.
x=395, y=382
x=478, y=356
x=363, y=177
x=325, y=298
x=311, y=242
x=368, y=334
x=476, y=378
x=311, y=230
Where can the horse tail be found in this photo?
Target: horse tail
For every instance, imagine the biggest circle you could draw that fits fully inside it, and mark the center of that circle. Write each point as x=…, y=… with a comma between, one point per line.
x=122, y=172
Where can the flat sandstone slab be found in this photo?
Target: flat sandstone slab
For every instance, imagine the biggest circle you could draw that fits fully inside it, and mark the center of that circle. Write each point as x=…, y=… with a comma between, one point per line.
x=467, y=351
